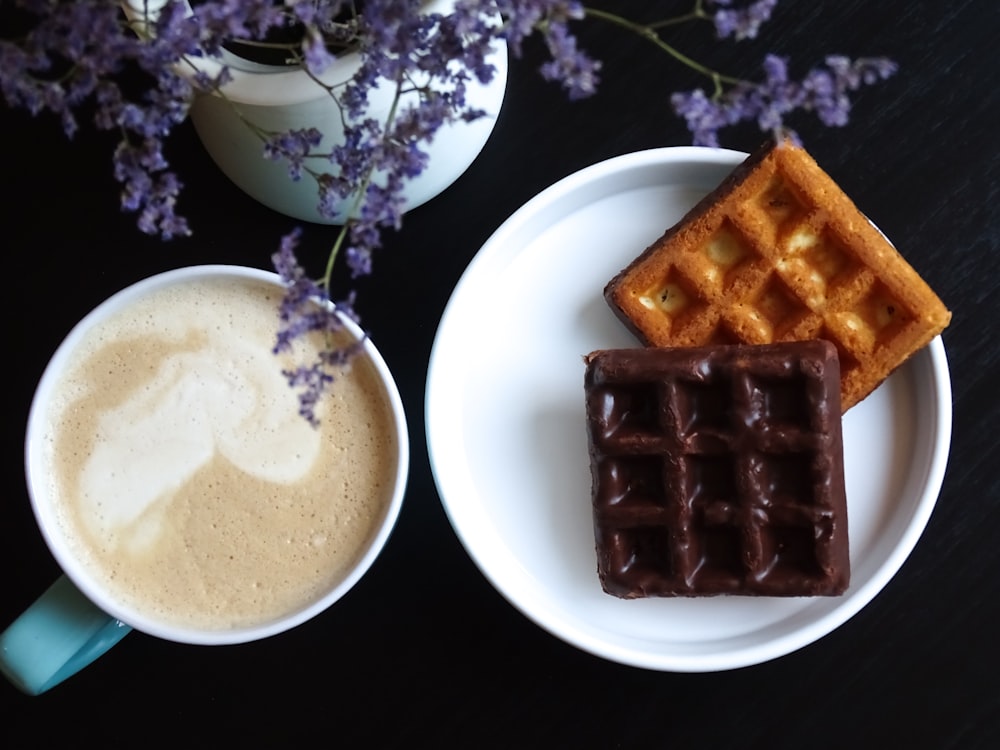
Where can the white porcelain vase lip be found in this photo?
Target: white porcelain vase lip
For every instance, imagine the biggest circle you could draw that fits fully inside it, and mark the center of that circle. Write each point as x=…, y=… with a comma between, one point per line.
x=277, y=100
x=267, y=85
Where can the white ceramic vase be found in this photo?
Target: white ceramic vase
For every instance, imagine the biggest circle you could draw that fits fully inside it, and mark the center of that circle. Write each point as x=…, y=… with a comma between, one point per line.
x=279, y=99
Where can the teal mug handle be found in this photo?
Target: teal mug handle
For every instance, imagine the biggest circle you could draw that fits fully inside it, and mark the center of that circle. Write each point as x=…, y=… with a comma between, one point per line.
x=56, y=637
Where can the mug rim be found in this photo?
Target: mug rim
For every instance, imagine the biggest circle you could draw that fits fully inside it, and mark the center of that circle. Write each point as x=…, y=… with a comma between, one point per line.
x=89, y=583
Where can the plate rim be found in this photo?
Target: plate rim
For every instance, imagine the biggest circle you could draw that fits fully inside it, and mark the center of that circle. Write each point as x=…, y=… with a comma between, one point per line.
x=939, y=442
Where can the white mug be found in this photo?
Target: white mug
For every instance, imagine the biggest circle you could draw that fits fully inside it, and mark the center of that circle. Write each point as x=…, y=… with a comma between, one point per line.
x=83, y=613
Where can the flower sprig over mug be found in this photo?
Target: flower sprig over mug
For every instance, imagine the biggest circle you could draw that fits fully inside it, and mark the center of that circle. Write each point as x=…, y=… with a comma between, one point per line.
x=73, y=54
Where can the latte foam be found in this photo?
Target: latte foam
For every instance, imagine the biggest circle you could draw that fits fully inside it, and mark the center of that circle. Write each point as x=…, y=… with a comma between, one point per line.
x=184, y=475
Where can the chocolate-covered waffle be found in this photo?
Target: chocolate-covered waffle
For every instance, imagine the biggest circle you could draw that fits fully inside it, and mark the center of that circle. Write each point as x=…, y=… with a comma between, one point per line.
x=718, y=470
x=778, y=252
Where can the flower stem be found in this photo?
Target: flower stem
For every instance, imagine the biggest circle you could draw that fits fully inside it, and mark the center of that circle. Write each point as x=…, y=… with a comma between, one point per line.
x=334, y=252
x=359, y=194
x=649, y=32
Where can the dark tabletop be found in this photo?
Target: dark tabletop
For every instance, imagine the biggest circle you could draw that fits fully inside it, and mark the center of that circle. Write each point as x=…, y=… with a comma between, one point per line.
x=424, y=650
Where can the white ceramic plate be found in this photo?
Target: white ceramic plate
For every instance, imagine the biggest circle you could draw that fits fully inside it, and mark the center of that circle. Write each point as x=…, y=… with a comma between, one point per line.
x=506, y=429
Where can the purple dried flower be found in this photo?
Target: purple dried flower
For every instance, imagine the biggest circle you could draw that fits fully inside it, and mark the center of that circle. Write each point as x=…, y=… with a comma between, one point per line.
x=741, y=23
x=769, y=102
x=525, y=17
x=299, y=286
x=294, y=146
x=149, y=188
x=576, y=71
x=75, y=52
x=704, y=117
x=317, y=57
x=306, y=309
x=72, y=55
x=311, y=381
x=303, y=307
x=331, y=190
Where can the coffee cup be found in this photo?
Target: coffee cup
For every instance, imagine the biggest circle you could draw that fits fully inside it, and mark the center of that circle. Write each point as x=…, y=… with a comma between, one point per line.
x=178, y=487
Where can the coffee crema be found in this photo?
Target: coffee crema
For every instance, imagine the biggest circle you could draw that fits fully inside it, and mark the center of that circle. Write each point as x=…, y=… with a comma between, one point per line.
x=183, y=475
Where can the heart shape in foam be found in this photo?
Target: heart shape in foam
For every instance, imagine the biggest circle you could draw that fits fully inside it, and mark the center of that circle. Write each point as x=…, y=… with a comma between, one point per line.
x=225, y=400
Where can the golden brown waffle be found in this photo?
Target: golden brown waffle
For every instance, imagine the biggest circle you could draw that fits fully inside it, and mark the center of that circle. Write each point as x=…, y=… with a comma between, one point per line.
x=778, y=252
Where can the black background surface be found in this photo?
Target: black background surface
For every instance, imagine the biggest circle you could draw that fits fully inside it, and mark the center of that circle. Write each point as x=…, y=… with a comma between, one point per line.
x=424, y=650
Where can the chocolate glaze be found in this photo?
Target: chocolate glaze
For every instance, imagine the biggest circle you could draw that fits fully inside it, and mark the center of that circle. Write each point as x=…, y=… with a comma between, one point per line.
x=718, y=470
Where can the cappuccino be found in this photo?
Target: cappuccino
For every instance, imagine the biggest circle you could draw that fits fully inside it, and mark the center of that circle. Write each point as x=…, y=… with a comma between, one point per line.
x=181, y=476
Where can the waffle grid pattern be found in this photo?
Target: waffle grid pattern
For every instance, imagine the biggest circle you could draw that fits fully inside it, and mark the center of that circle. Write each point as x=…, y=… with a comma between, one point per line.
x=724, y=485
x=783, y=255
